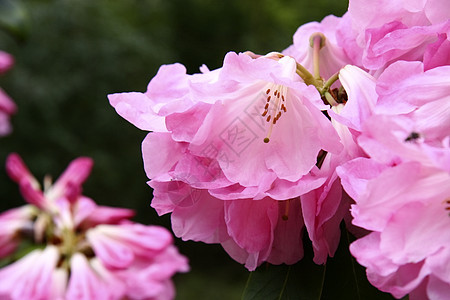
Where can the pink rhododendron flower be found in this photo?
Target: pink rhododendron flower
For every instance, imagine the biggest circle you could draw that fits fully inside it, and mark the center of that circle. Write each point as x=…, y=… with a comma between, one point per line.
x=377, y=33
x=251, y=231
x=7, y=106
x=266, y=122
x=232, y=166
x=91, y=251
x=401, y=189
x=405, y=208
x=332, y=56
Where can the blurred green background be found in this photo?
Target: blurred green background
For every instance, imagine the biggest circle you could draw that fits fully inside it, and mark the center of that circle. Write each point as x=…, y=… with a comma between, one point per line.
x=71, y=53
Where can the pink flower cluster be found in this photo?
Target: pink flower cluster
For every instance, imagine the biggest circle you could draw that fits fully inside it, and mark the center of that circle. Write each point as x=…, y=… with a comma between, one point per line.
x=78, y=249
x=351, y=121
x=7, y=106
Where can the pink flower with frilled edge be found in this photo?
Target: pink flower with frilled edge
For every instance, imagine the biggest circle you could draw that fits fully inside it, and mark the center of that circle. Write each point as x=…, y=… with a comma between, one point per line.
x=256, y=119
x=332, y=56
x=251, y=231
x=251, y=138
x=265, y=122
x=401, y=189
x=406, y=208
x=416, y=128
x=7, y=106
x=170, y=91
x=377, y=33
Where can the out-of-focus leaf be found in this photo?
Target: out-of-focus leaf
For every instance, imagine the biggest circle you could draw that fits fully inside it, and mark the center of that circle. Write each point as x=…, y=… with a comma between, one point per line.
x=14, y=18
x=303, y=280
x=23, y=249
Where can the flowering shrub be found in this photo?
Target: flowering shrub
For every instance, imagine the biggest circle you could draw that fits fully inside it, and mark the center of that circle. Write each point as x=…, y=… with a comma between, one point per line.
x=350, y=122
x=342, y=140
x=78, y=249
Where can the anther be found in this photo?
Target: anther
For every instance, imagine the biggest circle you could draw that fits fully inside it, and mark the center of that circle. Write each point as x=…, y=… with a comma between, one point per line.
x=274, y=107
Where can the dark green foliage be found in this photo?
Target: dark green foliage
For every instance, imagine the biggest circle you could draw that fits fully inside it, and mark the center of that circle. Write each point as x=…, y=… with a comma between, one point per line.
x=341, y=278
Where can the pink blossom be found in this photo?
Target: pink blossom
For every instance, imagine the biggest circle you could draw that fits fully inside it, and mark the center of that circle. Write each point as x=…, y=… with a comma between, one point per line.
x=277, y=142
x=117, y=246
x=30, y=277
x=142, y=257
x=231, y=167
x=416, y=128
x=6, y=61
x=332, y=56
x=68, y=185
x=251, y=231
x=401, y=189
x=146, y=280
x=88, y=283
x=405, y=207
x=377, y=33
x=99, y=252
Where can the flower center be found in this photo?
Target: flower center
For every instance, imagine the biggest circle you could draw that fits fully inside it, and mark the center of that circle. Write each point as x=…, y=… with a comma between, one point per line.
x=274, y=107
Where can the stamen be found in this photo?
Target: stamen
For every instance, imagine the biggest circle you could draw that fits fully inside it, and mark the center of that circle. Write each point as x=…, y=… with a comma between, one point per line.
x=274, y=107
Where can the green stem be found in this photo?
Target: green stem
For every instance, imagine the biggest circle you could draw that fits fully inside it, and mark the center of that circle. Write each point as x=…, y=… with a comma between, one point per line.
x=330, y=82
x=330, y=99
x=307, y=77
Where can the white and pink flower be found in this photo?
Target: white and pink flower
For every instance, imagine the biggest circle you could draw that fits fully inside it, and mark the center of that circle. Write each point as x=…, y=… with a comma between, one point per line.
x=90, y=251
